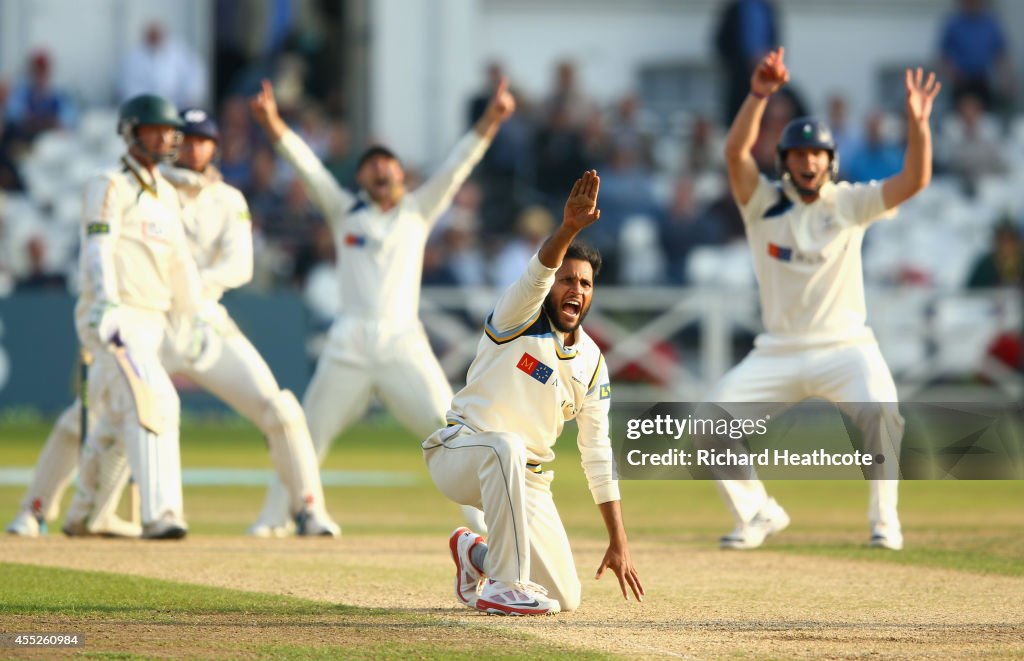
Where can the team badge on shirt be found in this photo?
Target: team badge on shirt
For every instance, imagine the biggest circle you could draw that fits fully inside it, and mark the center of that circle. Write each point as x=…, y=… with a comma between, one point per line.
x=355, y=240
x=534, y=368
x=779, y=252
x=606, y=390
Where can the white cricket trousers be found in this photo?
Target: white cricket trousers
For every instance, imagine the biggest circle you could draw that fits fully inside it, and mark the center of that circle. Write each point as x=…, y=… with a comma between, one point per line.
x=845, y=374
x=526, y=539
x=362, y=359
x=155, y=460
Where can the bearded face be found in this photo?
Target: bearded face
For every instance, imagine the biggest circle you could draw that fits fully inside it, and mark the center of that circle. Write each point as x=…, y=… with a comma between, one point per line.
x=568, y=302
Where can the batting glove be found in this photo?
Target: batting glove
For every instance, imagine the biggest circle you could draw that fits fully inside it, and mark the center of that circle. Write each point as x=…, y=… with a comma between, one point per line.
x=105, y=319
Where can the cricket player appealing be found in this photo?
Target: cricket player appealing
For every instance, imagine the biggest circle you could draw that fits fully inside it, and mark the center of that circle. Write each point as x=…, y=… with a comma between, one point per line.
x=534, y=369
x=219, y=233
x=377, y=344
x=805, y=234
x=135, y=268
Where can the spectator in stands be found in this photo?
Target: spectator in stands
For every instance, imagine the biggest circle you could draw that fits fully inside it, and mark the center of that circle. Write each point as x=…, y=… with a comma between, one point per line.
x=746, y=30
x=567, y=96
x=626, y=191
x=35, y=105
x=314, y=129
x=340, y=160
x=1004, y=265
x=164, y=66
x=237, y=142
x=265, y=201
x=558, y=156
x=877, y=157
x=10, y=178
x=533, y=226
x=974, y=52
x=845, y=134
x=456, y=237
x=627, y=129
x=704, y=149
x=972, y=148
x=39, y=277
x=503, y=170
x=683, y=227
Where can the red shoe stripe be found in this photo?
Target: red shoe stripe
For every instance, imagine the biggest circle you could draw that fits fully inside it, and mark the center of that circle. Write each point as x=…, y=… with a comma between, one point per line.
x=453, y=545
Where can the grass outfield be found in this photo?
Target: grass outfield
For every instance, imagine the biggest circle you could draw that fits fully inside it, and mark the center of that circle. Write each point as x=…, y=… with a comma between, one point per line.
x=954, y=531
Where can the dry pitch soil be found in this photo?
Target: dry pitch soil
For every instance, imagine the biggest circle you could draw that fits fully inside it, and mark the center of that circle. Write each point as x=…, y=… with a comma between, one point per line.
x=700, y=603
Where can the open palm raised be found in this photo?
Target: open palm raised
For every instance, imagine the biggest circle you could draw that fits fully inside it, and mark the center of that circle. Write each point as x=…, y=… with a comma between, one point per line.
x=921, y=93
x=581, y=207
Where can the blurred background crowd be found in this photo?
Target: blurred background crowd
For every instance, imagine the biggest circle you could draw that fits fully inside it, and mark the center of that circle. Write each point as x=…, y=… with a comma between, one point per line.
x=667, y=217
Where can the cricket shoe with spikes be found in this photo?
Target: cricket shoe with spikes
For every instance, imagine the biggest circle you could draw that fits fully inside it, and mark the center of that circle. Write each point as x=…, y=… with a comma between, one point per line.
x=468, y=577
x=519, y=598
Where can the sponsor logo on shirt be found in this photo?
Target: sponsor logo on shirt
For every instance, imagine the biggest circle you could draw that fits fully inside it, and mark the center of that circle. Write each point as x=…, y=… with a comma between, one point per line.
x=355, y=240
x=606, y=390
x=780, y=253
x=784, y=254
x=534, y=368
x=155, y=230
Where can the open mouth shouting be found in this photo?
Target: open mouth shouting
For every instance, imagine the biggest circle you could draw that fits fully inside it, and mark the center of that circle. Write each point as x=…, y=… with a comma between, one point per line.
x=571, y=309
x=807, y=179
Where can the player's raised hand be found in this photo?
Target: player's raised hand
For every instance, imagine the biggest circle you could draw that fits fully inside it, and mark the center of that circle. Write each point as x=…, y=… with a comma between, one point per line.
x=770, y=74
x=264, y=110
x=921, y=93
x=581, y=207
x=502, y=104
x=617, y=558
x=264, y=104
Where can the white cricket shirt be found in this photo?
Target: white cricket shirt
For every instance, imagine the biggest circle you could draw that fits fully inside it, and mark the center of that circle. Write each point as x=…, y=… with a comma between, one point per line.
x=807, y=258
x=524, y=380
x=380, y=253
x=218, y=228
x=134, y=250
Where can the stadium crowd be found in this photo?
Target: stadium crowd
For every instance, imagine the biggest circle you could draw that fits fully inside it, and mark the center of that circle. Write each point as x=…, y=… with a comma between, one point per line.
x=669, y=217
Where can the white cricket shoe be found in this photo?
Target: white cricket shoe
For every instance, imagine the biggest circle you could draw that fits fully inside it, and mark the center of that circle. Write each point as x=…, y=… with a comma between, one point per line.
x=168, y=526
x=521, y=598
x=769, y=520
x=882, y=538
x=25, y=524
x=468, y=577
x=315, y=524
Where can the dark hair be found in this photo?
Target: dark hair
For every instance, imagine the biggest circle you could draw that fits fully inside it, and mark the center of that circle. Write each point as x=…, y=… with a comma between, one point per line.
x=585, y=252
x=375, y=150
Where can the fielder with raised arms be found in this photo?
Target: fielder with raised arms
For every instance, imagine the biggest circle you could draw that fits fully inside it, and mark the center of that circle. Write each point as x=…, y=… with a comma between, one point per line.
x=805, y=234
x=534, y=369
x=377, y=344
x=210, y=350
